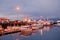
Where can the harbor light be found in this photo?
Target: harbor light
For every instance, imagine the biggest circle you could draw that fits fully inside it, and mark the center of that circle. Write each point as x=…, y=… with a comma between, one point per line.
x=17, y=8
x=17, y=11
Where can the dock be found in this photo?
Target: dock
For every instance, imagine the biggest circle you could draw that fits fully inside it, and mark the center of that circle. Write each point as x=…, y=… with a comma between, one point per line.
x=6, y=33
x=9, y=30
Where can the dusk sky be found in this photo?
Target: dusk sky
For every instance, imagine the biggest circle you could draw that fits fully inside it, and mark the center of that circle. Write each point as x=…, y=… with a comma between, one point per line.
x=30, y=8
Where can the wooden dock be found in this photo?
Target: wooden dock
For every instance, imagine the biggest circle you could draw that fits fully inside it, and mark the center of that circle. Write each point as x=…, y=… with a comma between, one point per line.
x=6, y=33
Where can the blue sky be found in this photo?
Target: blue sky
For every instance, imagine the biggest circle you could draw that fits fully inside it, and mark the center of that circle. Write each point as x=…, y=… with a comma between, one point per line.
x=31, y=8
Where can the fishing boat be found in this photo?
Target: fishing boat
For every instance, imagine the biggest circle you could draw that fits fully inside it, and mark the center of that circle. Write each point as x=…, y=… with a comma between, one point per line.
x=24, y=27
x=47, y=23
x=34, y=26
x=40, y=25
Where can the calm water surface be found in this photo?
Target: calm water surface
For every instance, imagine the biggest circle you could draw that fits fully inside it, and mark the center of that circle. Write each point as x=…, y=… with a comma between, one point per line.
x=46, y=33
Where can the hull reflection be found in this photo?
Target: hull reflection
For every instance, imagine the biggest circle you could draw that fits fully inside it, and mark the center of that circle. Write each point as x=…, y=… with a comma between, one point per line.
x=26, y=32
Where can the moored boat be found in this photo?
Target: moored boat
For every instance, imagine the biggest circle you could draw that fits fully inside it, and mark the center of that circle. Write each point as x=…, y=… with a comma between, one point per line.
x=24, y=27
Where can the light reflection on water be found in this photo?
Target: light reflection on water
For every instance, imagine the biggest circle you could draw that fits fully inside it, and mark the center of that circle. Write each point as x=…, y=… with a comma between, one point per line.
x=45, y=33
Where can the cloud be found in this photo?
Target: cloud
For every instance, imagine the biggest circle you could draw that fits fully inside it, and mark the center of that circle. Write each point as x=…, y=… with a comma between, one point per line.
x=31, y=8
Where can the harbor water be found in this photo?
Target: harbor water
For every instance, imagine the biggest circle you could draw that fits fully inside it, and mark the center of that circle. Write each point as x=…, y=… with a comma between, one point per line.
x=45, y=33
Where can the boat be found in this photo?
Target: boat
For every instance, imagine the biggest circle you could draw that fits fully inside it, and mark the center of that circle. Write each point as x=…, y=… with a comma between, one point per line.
x=24, y=27
x=40, y=25
x=34, y=26
x=47, y=23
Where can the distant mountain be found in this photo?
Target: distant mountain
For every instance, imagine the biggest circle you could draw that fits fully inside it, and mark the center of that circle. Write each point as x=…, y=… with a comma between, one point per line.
x=55, y=19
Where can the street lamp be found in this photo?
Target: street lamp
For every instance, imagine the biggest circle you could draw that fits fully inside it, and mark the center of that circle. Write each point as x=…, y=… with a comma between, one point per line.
x=17, y=10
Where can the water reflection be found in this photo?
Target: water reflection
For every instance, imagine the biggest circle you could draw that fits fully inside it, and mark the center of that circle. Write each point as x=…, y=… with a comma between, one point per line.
x=47, y=28
x=44, y=33
x=25, y=33
x=17, y=39
x=29, y=32
x=41, y=31
x=34, y=32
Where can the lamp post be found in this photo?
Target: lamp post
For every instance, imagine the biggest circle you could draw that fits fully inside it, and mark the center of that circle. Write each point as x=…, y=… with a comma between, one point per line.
x=17, y=10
